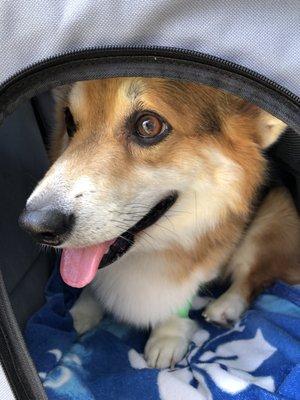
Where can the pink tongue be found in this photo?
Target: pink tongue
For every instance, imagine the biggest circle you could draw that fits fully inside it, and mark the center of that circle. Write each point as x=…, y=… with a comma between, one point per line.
x=78, y=267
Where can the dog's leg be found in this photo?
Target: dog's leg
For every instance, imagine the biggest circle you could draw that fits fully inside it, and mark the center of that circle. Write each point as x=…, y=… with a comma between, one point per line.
x=169, y=341
x=269, y=251
x=228, y=308
x=86, y=312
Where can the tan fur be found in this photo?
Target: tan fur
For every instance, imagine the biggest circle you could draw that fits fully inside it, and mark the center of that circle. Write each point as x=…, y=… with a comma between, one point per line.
x=274, y=239
x=269, y=251
x=210, y=250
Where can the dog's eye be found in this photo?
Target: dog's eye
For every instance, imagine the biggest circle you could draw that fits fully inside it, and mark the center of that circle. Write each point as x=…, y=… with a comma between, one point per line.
x=150, y=128
x=70, y=123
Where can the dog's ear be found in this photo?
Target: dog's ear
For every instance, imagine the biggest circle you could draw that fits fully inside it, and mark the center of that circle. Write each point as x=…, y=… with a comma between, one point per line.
x=61, y=93
x=269, y=129
x=59, y=138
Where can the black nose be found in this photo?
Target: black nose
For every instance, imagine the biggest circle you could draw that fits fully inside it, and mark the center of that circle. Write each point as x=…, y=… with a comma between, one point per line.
x=46, y=225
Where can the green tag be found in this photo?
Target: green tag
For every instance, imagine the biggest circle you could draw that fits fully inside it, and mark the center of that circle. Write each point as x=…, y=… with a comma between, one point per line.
x=184, y=311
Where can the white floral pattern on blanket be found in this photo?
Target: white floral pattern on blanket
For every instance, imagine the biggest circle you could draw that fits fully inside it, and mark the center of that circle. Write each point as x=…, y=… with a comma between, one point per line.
x=228, y=367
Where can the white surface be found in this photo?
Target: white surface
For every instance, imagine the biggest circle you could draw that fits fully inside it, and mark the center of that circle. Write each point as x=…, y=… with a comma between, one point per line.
x=263, y=35
x=5, y=390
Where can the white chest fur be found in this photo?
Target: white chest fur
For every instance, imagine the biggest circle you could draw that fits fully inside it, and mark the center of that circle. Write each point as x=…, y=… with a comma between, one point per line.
x=138, y=289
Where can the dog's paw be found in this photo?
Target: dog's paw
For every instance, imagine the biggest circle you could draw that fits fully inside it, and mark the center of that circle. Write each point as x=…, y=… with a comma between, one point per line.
x=168, y=343
x=226, y=310
x=83, y=321
x=86, y=313
x=165, y=351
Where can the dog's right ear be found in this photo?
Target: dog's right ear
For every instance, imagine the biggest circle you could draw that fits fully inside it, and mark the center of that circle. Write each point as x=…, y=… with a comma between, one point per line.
x=269, y=129
x=61, y=93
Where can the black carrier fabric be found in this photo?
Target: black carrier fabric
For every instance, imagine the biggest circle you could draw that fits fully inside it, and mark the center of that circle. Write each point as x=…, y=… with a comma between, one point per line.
x=24, y=138
x=23, y=161
x=286, y=158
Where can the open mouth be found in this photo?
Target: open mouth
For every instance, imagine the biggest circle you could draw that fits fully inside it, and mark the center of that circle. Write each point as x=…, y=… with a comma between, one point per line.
x=78, y=267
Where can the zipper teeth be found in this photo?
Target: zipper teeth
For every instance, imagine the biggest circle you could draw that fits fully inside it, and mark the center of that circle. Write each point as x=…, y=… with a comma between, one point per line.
x=163, y=52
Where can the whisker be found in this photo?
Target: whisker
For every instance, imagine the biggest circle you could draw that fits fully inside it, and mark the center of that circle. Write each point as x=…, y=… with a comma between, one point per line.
x=125, y=227
x=127, y=240
x=165, y=228
x=196, y=208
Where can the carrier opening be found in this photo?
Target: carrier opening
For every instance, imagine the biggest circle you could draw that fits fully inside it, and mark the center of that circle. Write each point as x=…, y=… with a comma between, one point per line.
x=144, y=119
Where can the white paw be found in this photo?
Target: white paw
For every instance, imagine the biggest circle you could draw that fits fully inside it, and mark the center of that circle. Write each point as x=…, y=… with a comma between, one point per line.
x=165, y=351
x=226, y=310
x=168, y=343
x=83, y=321
x=86, y=313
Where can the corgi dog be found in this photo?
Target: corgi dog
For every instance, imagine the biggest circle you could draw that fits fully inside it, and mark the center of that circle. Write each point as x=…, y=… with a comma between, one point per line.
x=152, y=193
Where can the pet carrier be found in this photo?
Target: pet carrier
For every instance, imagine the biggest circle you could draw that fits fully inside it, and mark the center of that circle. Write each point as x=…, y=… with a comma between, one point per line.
x=248, y=48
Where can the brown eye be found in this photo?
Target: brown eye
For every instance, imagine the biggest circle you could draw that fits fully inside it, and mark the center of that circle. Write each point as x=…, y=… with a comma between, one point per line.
x=150, y=128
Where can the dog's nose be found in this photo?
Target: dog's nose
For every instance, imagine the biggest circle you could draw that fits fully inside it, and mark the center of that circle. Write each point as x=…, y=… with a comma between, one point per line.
x=47, y=226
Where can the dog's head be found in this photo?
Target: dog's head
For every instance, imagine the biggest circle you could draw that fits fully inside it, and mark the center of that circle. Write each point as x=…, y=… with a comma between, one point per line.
x=130, y=151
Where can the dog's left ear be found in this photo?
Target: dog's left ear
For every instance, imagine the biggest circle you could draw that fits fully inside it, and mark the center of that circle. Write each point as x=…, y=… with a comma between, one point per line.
x=269, y=129
x=61, y=93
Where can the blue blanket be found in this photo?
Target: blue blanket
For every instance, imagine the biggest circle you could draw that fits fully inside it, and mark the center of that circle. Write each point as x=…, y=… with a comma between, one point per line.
x=259, y=358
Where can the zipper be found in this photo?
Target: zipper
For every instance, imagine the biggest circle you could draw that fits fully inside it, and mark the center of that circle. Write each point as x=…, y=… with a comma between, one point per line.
x=18, y=382
x=150, y=51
